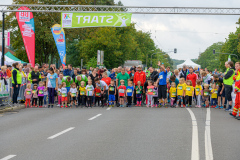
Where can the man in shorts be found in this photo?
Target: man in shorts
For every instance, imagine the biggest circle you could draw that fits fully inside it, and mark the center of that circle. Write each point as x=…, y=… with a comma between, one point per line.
x=162, y=81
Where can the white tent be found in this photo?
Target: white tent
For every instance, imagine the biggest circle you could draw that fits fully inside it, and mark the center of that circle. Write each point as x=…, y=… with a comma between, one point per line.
x=8, y=60
x=188, y=63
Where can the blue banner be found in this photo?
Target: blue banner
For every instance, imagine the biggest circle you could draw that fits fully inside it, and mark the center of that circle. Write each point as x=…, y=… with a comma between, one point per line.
x=59, y=37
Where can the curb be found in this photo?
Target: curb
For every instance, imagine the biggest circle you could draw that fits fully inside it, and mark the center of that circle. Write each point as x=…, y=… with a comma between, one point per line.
x=9, y=109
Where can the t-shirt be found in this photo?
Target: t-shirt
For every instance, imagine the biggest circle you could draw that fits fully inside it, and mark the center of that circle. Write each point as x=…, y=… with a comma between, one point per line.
x=73, y=92
x=173, y=91
x=169, y=74
x=180, y=89
x=150, y=90
x=214, y=93
x=130, y=90
x=89, y=90
x=28, y=93
x=219, y=82
x=189, y=90
x=206, y=92
x=40, y=91
x=206, y=79
x=83, y=78
x=107, y=80
x=163, y=78
x=97, y=92
x=102, y=84
x=155, y=92
x=198, y=89
x=59, y=81
x=121, y=90
x=68, y=83
x=52, y=80
x=82, y=91
x=124, y=77
x=112, y=89
x=64, y=92
x=59, y=92
x=139, y=91
x=193, y=78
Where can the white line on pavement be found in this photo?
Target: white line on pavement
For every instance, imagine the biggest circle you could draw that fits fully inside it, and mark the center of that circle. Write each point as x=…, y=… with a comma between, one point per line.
x=109, y=108
x=8, y=157
x=195, y=144
x=58, y=134
x=208, y=143
x=94, y=117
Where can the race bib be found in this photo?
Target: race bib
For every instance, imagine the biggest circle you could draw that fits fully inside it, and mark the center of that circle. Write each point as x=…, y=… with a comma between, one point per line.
x=161, y=77
x=34, y=91
x=73, y=94
x=216, y=92
x=206, y=93
x=180, y=87
x=98, y=94
x=82, y=93
x=188, y=88
x=121, y=90
x=198, y=89
x=28, y=92
x=150, y=90
x=89, y=89
x=154, y=93
x=64, y=95
x=111, y=89
x=40, y=92
x=138, y=92
x=129, y=90
x=174, y=93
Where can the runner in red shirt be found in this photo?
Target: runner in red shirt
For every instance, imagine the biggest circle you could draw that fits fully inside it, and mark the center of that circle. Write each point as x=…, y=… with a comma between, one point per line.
x=122, y=92
x=105, y=78
x=192, y=76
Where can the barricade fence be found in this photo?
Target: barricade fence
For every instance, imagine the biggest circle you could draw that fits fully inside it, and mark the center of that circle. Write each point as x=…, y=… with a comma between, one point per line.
x=5, y=92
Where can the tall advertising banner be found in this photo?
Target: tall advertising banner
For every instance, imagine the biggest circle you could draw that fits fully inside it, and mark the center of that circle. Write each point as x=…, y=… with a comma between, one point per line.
x=26, y=25
x=59, y=37
x=81, y=20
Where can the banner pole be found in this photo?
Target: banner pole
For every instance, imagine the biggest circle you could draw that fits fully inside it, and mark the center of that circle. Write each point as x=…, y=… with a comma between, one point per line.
x=3, y=39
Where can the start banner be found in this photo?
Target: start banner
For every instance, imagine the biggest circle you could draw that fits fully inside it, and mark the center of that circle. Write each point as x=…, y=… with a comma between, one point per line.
x=81, y=20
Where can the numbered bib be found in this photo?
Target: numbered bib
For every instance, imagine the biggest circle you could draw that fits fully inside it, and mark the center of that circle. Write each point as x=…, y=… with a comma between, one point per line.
x=82, y=93
x=206, y=93
x=34, y=91
x=188, y=88
x=40, y=91
x=180, y=87
x=98, y=94
x=129, y=90
x=216, y=92
x=198, y=89
x=121, y=90
x=161, y=77
x=138, y=92
x=154, y=93
x=73, y=94
x=64, y=95
x=150, y=90
x=89, y=89
x=28, y=92
x=111, y=89
x=174, y=93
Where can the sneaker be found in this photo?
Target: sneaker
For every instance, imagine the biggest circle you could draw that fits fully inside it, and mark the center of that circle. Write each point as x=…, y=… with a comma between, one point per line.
x=58, y=105
x=231, y=115
x=66, y=106
x=199, y=106
x=61, y=106
x=190, y=106
x=238, y=118
x=217, y=107
x=152, y=106
x=184, y=105
x=212, y=106
x=147, y=106
x=30, y=107
x=227, y=110
x=40, y=106
x=181, y=106
x=221, y=107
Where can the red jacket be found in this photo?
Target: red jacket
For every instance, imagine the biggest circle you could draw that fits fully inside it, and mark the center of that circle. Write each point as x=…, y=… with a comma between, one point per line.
x=193, y=78
x=139, y=77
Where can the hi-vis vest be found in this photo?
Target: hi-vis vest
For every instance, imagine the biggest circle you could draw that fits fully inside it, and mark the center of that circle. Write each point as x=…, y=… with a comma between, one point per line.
x=18, y=76
x=230, y=80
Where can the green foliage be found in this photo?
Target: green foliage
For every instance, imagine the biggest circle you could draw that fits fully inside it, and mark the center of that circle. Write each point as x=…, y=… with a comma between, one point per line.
x=92, y=63
x=177, y=62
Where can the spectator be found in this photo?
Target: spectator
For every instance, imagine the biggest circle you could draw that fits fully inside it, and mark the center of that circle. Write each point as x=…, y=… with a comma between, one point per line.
x=105, y=78
x=183, y=73
x=122, y=76
x=3, y=73
x=169, y=74
x=9, y=69
x=52, y=85
x=16, y=81
x=162, y=88
x=176, y=73
x=34, y=77
x=192, y=76
x=153, y=74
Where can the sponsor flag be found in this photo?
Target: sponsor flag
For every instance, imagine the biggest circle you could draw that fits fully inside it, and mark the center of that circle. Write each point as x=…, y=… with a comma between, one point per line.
x=59, y=37
x=26, y=25
x=81, y=20
x=229, y=58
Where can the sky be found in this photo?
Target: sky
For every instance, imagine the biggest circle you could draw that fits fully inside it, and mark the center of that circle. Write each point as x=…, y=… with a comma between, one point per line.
x=190, y=34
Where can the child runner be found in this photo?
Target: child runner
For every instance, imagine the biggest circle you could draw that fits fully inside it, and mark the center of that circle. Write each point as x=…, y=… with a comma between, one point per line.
x=155, y=94
x=97, y=92
x=40, y=93
x=173, y=93
x=64, y=95
x=45, y=93
x=150, y=88
x=180, y=92
x=59, y=95
x=206, y=95
x=73, y=93
x=129, y=94
x=139, y=93
x=111, y=93
x=35, y=95
x=189, y=93
x=28, y=95
x=122, y=92
x=89, y=93
x=184, y=96
x=214, y=97
x=198, y=91
x=82, y=91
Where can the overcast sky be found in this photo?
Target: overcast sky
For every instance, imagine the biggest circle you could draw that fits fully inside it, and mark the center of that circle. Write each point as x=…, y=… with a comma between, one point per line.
x=190, y=34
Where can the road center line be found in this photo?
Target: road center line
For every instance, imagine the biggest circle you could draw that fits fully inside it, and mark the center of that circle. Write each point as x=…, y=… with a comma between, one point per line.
x=195, y=144
x=94, y=117
x=60, y=133
x=108, y=108
x=208, y=143
x=8, y=157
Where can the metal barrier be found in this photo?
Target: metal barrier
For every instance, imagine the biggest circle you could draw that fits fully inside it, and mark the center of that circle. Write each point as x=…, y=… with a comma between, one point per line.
x=5, y=92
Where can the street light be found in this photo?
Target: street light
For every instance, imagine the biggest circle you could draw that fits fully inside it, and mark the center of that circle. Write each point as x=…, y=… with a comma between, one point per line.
x=225, y=53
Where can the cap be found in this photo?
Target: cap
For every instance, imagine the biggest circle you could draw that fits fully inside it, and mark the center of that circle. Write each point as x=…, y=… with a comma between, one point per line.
x=139, y=66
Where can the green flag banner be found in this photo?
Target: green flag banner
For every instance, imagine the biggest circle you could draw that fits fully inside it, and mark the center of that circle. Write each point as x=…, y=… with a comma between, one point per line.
x=81, y=20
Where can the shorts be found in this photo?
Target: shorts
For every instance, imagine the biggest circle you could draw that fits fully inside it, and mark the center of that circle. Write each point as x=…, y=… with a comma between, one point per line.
x=205, y=98
x=223, y=93
x=121, y=96
x=228, y=92
x=162, y=91
x=68, y=89
x=73, y=99
x=64, y=99
x=111, y=97
x=138, y=96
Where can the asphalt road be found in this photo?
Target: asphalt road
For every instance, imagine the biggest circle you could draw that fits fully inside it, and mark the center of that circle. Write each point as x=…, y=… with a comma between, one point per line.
x=136, y=133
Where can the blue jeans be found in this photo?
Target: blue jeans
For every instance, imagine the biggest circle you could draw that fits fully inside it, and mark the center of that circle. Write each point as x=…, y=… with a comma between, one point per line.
x=214, y=100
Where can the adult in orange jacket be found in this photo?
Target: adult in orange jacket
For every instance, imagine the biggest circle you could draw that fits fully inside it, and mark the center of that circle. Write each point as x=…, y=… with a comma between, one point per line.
x=139, y=76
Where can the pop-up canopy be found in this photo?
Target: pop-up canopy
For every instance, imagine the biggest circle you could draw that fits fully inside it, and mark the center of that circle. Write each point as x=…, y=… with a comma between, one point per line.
x=188, y=63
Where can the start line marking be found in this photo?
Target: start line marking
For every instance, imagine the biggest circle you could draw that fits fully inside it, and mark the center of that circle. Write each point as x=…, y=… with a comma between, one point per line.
x=60, y=133
x=94, y=117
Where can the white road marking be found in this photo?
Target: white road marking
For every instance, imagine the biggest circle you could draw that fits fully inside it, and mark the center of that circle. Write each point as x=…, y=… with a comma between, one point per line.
x=60, y=133
x=208, y=143
x=108, y=108
x=195, y=144
x=8, y=157
x=94, y=117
